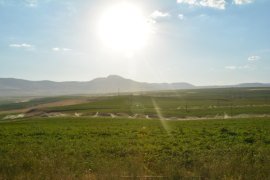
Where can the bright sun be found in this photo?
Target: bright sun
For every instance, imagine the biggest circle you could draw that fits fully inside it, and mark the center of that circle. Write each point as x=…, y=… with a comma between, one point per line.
x=123, y=28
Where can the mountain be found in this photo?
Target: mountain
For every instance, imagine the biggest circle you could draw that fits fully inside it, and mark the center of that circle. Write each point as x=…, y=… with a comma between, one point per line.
x=110, y=84
x=253, y=85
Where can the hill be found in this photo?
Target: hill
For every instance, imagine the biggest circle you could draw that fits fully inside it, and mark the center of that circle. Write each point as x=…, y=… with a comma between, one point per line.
x=110, y=84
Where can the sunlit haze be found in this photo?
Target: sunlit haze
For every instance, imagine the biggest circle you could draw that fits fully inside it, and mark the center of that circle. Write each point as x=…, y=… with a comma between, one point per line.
x=123, y=28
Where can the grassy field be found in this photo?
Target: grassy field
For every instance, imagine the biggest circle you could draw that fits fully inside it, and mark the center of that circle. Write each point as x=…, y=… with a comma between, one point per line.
x=197, y=103
x=105, y=148
x=154, y=135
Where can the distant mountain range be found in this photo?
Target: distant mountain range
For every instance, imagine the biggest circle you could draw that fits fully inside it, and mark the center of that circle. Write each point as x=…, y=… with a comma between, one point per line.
x=110, y=84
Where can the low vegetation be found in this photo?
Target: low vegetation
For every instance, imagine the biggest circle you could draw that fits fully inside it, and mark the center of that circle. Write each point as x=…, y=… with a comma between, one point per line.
x=93, y=148
x=182, y=104
x=146, y=135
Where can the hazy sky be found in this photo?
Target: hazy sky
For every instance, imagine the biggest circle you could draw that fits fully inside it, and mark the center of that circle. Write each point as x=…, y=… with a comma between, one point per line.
x=203, y=42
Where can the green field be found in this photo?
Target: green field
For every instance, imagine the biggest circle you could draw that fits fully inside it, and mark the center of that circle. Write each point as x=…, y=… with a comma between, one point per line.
x=103, y=148
x=185, y=134
x=181, y=104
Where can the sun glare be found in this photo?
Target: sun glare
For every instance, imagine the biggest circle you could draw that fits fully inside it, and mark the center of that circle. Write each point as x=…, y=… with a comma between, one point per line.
x=123, y=28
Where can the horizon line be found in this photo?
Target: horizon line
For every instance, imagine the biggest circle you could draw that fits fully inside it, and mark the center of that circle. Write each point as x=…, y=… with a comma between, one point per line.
x=40, y=80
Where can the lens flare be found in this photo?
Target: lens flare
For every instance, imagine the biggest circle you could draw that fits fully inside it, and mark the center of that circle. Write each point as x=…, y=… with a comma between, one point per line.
x=160, y=116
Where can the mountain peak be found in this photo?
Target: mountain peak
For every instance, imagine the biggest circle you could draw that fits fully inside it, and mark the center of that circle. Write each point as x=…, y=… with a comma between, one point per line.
x=114, y=77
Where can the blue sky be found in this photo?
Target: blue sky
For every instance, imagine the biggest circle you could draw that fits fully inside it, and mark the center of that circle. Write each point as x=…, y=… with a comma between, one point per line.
x=203, y=42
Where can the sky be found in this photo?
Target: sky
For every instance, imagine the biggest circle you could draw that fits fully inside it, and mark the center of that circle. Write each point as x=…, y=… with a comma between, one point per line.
x=203, y=42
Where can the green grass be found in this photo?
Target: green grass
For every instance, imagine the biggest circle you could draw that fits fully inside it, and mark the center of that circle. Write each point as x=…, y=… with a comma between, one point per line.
x=175, y=106
x=104, y=148
x=180, y=103
x=111, y=148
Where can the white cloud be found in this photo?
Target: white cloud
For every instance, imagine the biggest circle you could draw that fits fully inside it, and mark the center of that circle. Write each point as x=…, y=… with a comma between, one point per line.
x=57, y=49
x=238, y=67
x=158, y=14
x=180, y=16
x=254, y=58
x=23, y=45
x=240, y=2
x=191, y=2
x=31, y=3
x=203, y=16
x=217, y=4
x=245, y=67
x=231, y=67
x=248, y=66
x=66, y=49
